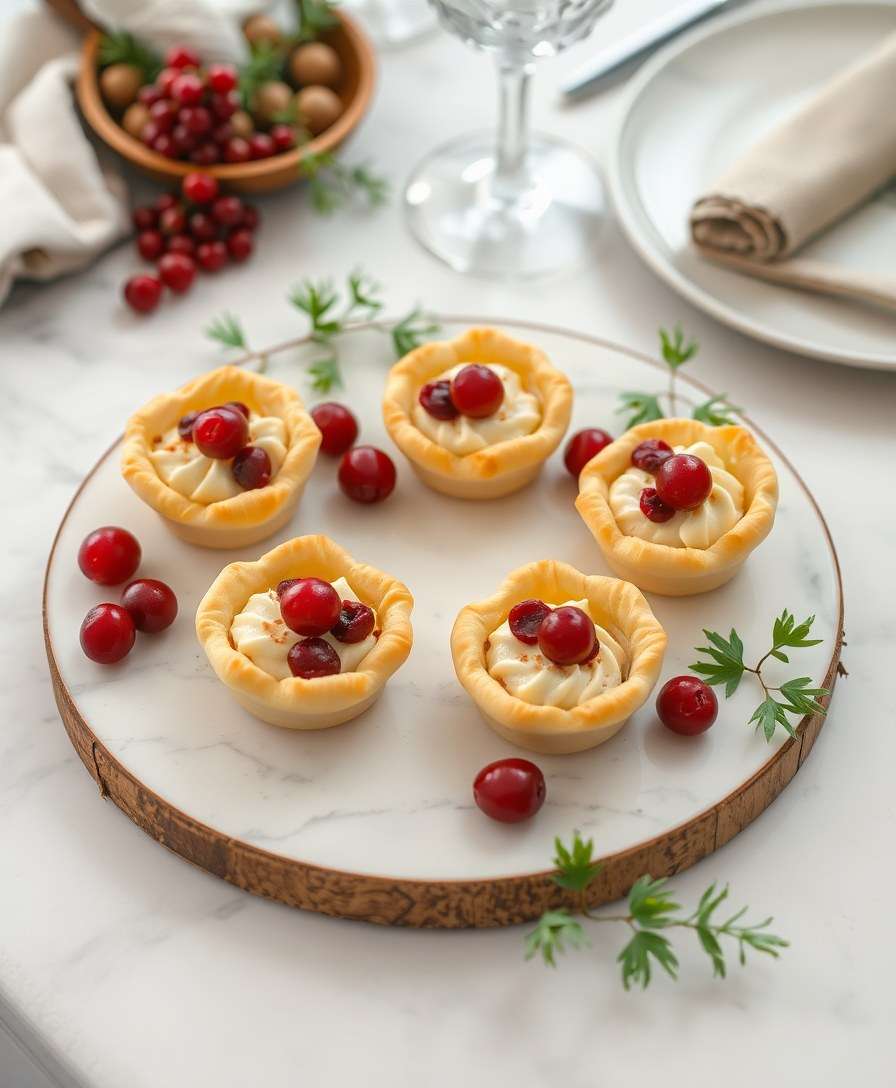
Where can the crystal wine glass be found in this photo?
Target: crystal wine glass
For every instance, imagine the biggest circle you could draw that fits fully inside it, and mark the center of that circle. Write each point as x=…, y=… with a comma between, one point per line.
x=515, y=206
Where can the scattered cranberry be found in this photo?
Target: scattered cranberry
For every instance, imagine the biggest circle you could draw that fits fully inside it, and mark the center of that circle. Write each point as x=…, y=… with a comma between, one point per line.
x=252, y=468
x=212, y=256
x=240, y=246
x=653, y=508
x=145, y=218
x=356, y=621
x=197, y=120
x=187, y=89
x=477, y=391
x=142, y=293
x=149, y=94
x=107, y=634
x=313, y=659
x=310, y=606
x=683, y=481
x=337, y=425
x=435, y=397
x=202, y=227
x=509, y=790
x=150, y=244
x=224, y=106
x=525, y=620
x=687, y=706
x=223, y=133
x=582, y=447
x=165, y=80
x=151, y=604
x=237, y=150
x=251, y=217
x=163, y=144
x=228, y=210
x=185, y=425
x=172, y=220
x=284, y=137
x=567, y=636
x=184, y=141
x=221, y=78
x=164, y=201
x=181, y=56
x=163, y=113
x=181, y=243
x=220, y=432
x=206, y=154
x=261, y=145
x=109, y=555
x=366, y=474
x=240, y=407
x=200, y=188
x=650, y=454
x=177, y=271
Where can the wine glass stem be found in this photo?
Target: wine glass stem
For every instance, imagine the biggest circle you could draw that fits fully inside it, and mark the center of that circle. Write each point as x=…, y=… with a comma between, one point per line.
x=513, y=125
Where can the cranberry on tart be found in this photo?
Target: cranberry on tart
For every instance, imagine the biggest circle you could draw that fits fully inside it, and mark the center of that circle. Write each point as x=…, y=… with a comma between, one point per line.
x=305, y=637
x=477, y=416
x=556, y=660
x=224, y=459
x=676, y=506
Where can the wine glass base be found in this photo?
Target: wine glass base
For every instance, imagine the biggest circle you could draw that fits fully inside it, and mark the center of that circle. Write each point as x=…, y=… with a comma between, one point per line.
x=459, y=209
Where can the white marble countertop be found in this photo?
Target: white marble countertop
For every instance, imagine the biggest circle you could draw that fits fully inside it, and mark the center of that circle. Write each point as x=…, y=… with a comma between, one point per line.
x=122, y=965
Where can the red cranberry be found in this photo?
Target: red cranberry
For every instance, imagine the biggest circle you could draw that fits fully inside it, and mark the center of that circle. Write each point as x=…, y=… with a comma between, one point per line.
x=283, y=586
x=109, y=555
x=181, y=56
x=366, y=474
x=221, y=78
x=183, y=140
x=356, y=621
x=252, y=468
x=142, y=293
x=220, y=432
x=187, y=89
x=687, y=706
x=477, y=391
x=261, y=145
x=206, y=154
x=150, y=133
x=145, y=218
x=224, y=106
x=240, y=407
x=228, y=210
x=313, y=659
x=164, y=201
x=202, y=227
x=151, y=604
x=165, y=80
x=212, y=256
x=310, y=606
x=181, y=243
x=509, y=790
x=653, y=508
x=150, y=244
x=435, y=397
x=284, y=137
x=107, y=634
x=240, y=246
x=237, y=150
x=567, y=636
x=177, y=271
x=251, y=217
x=185, y=425
x=163, y=114
x=164, y=145
x=199, y=188
x=149, y=94
x=222, y=133
x=172, y=220
x=525, y=620
x=650, y=454
x=196, y=119
x=337, y=425
x=582, y=447
x=683, y=481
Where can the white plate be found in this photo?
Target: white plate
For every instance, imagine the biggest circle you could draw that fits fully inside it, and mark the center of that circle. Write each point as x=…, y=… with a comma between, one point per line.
x=693, y=109
x=390, y=794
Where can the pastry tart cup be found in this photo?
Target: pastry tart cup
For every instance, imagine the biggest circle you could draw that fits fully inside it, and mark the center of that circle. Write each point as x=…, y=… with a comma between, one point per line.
x=660, y=568
x=498, y=469
x=616, y=606
x=295, y=703
x=245, y=518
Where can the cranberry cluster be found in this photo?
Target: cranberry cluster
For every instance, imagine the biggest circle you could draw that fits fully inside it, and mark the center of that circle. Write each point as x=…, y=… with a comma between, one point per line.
x=110, y=555
x=222, y=433
x=311, y=607
x=188, y=113
x=366, y=474
x=475, y=391
x=682, y=480
x=564, y=635
x=201, y=229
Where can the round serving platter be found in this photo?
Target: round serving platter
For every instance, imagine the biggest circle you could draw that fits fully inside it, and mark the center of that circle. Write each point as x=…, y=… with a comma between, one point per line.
x=375, y=819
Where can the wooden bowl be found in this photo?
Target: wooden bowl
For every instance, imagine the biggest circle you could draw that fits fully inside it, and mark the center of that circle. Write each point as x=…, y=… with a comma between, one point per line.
x=355, y=90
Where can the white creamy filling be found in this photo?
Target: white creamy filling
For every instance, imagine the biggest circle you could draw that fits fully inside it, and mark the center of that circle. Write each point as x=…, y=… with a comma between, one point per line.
x=519, y=414
x=260, y=633
x=698, y=528
x=526, y=673
x=182, y=466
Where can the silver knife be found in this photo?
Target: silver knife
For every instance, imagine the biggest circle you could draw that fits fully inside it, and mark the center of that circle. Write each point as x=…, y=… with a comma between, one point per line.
x=589, y=75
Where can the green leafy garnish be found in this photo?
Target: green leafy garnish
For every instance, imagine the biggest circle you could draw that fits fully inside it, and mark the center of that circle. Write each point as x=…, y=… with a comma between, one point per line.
x=673, y=348
x=119, y=47
x=716, y=411
x=651, y=909
x=265, y=65
x=411, y=331
x=227, y=330
x=315, y=16
x=642, y=408
x=726, y=667
x=334, y=185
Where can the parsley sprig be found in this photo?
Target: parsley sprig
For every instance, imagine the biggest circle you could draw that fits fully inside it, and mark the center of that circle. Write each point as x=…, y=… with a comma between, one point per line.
x=651, y=911
x=641, y=407
x=726, y=666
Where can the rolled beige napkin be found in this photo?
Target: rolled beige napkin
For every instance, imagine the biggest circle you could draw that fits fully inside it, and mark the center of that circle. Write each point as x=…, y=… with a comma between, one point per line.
x=804, y=175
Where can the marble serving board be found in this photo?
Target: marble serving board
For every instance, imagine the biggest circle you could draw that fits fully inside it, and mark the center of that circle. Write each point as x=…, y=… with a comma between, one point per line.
x=389, y=794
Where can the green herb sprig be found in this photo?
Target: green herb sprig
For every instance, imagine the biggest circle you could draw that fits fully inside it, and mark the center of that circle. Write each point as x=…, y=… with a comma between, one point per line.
x=119, y=47
x=315, y=17
x=642, y=407
x=726, y=667
x=651, y=911
x=333, y=185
